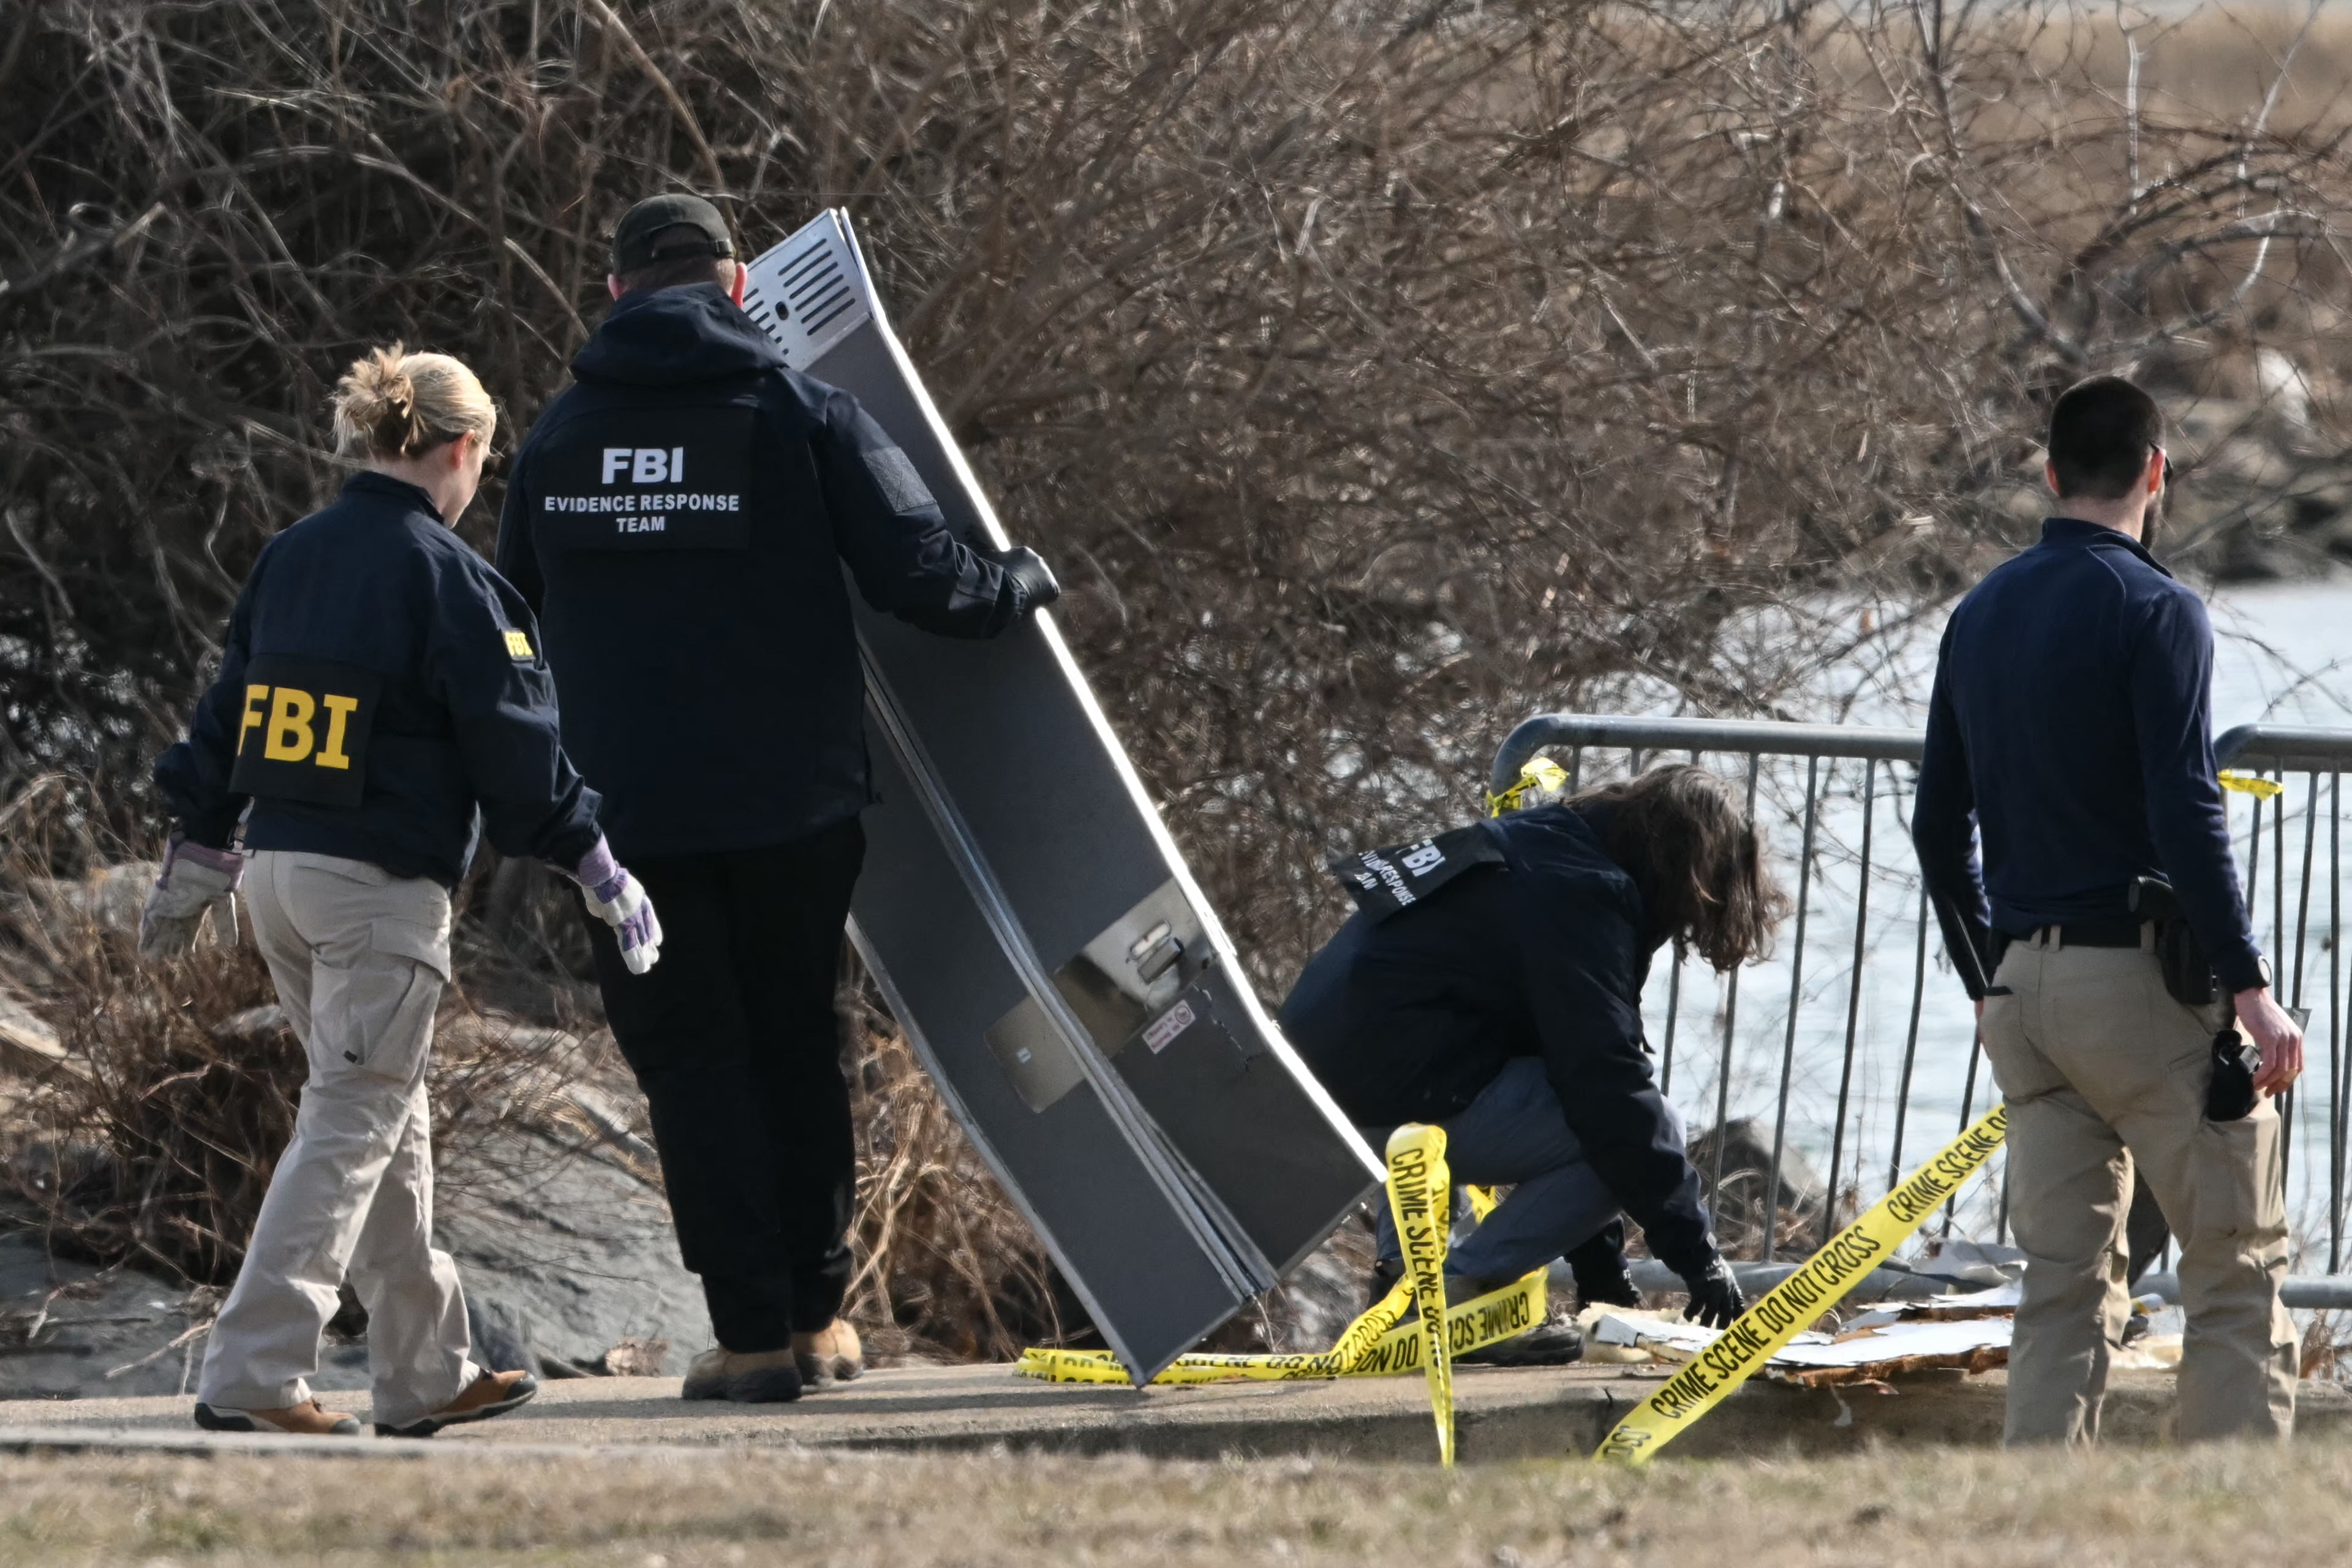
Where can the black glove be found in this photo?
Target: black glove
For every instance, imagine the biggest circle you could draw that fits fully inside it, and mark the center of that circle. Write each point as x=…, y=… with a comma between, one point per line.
x=1030, y=574
x=1715, y=1298
x=1600, y=1268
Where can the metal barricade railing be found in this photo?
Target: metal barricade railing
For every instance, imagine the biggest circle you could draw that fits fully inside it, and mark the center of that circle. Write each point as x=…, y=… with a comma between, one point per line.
x=1805, y=767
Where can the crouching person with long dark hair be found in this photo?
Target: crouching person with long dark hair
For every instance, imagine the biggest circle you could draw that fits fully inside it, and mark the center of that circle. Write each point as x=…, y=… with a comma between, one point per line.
x=1490, y=982
x=380, y=693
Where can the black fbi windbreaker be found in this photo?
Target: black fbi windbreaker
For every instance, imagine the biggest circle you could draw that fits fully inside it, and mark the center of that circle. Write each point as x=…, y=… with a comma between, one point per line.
x=378, y=683
x=679, y=517
x=1408, y=1018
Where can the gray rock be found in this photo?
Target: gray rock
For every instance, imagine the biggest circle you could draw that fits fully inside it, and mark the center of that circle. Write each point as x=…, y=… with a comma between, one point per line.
x=566, y=1253
x=28, y=1046
x=1739, y=1205
x=252, y=1026
x=1323, y=1295
x=2336, y=539
x=71, y=1330
x=109, y=898
x=64, y=1326
x=502, y=1333
x=568, y=1249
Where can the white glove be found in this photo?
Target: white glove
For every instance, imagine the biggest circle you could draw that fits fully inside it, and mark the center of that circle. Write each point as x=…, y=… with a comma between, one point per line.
x=194, y=880
x=619, y=901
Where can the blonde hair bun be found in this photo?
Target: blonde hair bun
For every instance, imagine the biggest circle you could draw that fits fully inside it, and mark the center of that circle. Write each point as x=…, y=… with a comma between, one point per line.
x=393, y=404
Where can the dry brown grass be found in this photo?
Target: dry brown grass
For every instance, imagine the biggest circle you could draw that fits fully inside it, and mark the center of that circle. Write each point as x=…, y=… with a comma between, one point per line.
x=1373, y=374
x=154, y=1148
x=946, y=1267
x=2212, y=1506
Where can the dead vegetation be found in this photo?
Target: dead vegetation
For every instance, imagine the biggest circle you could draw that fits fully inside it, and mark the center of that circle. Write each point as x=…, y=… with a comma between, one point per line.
x=2197, y=1508
x=946, y=1266
x=1373, y=374
x=152, y=1144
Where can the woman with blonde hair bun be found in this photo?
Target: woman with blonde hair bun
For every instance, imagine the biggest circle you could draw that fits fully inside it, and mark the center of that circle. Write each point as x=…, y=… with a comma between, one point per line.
x=381, y=690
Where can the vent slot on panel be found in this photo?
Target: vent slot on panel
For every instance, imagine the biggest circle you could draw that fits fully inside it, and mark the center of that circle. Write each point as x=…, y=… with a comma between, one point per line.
x=770, y=317
x=817, y=290
x=807, y=290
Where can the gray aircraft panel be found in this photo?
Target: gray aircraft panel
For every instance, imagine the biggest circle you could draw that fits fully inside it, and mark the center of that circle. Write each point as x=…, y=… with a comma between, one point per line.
x=1095, y=1201
x=1051, y=819
x=1126, y=1229
x=1036, y=929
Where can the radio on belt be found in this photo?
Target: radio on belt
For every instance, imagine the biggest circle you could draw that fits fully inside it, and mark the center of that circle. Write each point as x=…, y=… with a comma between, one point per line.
x=1032, y=924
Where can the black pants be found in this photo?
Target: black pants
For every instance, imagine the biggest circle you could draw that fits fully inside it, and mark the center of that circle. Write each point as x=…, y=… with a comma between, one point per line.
x=736, y=1043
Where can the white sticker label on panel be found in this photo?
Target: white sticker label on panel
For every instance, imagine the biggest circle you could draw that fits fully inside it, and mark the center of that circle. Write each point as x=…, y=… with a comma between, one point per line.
x=1166, y=1026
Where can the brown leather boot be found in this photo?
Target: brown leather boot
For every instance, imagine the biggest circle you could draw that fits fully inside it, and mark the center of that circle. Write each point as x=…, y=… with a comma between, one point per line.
x=303, y=1420
x=830, y=1355
x=747, y=1377
x=493, y=1394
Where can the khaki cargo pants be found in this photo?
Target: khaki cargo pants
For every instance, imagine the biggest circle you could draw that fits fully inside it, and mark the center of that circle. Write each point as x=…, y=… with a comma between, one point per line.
x=2101, y=1068
x=360, y=958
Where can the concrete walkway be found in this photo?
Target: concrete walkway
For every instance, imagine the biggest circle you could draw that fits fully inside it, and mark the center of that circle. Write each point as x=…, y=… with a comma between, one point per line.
x=1504, y=1413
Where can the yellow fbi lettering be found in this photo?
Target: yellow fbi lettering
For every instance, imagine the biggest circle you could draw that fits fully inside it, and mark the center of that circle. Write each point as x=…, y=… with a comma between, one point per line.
x=303, y=729
x=288, y=717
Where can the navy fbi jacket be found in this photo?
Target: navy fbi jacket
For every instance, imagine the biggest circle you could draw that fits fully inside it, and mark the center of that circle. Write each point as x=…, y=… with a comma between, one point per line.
x=679, y=517
x=379, y=682
x=2071, y=725
x=1408, y=1018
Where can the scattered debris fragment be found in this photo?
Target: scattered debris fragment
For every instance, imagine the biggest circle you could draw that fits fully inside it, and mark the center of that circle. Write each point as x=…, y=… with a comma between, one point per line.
x=636, y=1358
x=2002, y=1300
x=1868, y=1354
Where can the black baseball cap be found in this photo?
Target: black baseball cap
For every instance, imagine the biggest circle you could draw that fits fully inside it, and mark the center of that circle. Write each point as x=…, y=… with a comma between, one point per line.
x=651, y=219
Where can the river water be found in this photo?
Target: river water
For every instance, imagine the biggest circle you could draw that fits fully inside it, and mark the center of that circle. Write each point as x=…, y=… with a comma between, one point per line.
x=2284, y=656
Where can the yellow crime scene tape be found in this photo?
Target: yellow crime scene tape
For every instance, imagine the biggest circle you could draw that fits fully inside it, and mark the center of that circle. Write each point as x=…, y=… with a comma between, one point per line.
x=2247, y=783
x=1540, y=774
x=1375, y=1346
x=1421, y=1191
x=1379, y=1343
x=1797, y=1303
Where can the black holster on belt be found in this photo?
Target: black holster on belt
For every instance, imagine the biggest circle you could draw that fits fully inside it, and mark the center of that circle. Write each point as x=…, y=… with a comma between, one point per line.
x=2188, y=979
x=2187, y=974
x=2230, y=1093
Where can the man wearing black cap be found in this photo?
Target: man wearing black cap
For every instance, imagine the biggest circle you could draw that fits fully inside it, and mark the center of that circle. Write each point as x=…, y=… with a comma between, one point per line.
x=679, y=517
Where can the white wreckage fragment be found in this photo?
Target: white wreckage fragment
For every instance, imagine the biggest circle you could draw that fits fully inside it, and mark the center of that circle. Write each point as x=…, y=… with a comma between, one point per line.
x=1872, y=1353
x=2001, y=1301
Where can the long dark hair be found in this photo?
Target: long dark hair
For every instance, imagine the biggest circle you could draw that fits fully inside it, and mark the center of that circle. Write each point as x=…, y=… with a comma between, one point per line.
x=1681, y=832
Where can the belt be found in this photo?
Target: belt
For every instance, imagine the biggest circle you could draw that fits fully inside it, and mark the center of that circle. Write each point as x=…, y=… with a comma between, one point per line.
x=2084, y=934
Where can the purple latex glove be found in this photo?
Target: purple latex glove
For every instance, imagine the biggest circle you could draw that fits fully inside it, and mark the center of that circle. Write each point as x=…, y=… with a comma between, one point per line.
x=619, y=901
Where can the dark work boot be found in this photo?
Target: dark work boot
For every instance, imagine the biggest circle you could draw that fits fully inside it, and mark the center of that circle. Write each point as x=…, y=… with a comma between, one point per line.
x=1598, y=1265
x=750, y=1377
x=1383, y=1280
x=1555, y=1342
